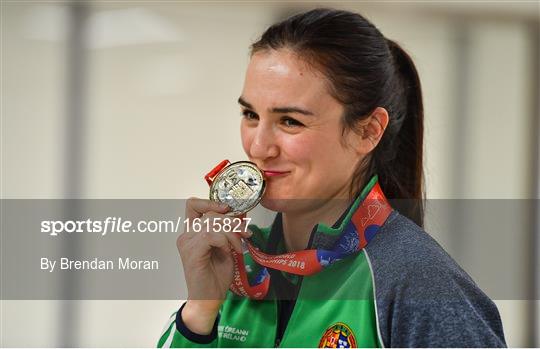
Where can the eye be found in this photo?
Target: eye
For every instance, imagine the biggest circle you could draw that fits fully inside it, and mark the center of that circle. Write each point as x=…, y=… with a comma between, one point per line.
x=290, y=122
x=249, y=115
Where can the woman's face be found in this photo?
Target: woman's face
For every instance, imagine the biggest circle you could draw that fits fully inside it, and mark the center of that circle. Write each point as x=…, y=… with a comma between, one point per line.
x=291, y=128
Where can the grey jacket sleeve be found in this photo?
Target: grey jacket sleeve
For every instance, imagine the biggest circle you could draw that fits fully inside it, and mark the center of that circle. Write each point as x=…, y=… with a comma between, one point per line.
x=424, y=299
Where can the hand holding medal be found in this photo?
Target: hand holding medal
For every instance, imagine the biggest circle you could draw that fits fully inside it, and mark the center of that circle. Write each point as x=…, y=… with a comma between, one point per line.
x=208, y=255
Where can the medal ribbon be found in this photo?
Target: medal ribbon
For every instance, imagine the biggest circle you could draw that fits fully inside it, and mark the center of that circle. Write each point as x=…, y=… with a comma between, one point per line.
x=358, y=232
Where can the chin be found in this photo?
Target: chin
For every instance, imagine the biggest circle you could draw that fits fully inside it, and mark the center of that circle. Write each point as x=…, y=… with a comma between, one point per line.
x=282, y=202
x=276, y=205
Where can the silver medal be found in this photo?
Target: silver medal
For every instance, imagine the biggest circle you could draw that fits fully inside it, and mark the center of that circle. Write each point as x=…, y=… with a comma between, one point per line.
x=240, y=185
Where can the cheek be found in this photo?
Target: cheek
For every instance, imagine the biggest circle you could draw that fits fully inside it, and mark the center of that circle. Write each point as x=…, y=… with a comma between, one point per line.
x=319, y=157
x=246, y=137
x=300, y=150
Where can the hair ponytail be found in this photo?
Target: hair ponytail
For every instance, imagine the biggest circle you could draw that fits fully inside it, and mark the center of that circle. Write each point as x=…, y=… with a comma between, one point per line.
x=402, y=177
x=365, y=71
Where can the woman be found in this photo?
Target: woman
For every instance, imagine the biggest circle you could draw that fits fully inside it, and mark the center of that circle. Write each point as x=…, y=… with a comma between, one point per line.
x=333, y=115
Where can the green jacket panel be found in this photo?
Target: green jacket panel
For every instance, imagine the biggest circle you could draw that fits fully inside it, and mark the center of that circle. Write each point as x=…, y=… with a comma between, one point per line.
x=337, y=304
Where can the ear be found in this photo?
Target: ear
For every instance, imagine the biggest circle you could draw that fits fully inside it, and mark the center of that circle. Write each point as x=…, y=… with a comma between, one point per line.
x=371, y=130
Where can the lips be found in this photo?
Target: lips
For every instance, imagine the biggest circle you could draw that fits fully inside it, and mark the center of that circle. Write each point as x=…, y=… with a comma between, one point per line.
x=273, y=173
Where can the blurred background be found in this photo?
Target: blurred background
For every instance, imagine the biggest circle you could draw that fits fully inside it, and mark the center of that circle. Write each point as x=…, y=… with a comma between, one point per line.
x=137, y=99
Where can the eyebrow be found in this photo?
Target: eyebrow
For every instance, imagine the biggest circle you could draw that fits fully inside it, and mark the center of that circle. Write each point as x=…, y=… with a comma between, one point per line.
x=285, y=110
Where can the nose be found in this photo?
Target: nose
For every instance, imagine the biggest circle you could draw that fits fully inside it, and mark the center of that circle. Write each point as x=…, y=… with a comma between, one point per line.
x=263, y=145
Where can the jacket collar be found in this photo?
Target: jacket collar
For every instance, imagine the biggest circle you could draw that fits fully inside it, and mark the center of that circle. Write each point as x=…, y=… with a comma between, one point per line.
x=322, y=236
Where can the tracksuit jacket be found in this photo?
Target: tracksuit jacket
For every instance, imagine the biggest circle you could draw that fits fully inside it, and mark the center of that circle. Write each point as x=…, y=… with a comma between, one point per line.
x=401, y=290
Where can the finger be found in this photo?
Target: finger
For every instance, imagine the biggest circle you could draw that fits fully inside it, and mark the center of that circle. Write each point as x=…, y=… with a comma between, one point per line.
x=196, y=207
x=244, y=230
x=205, y=223
x=224, y=241
x=209, y=241
x=218, y=226
x=234, y=240
x=216, y=240
x=236, y=226
x=239, y=224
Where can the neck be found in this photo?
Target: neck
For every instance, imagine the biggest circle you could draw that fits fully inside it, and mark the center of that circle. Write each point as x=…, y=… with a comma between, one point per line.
x=297, y=225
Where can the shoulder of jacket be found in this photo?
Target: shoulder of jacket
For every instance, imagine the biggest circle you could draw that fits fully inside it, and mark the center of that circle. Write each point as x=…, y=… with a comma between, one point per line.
x=402, y=255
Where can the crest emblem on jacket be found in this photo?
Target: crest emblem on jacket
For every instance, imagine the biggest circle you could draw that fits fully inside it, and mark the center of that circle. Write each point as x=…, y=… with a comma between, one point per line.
x=338, y=335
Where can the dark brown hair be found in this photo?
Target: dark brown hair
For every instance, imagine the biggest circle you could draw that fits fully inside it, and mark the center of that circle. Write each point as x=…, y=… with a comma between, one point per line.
x=365, y=71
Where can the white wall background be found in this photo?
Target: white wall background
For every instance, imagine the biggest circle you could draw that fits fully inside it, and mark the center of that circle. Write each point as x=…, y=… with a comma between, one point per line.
x=162, y=81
